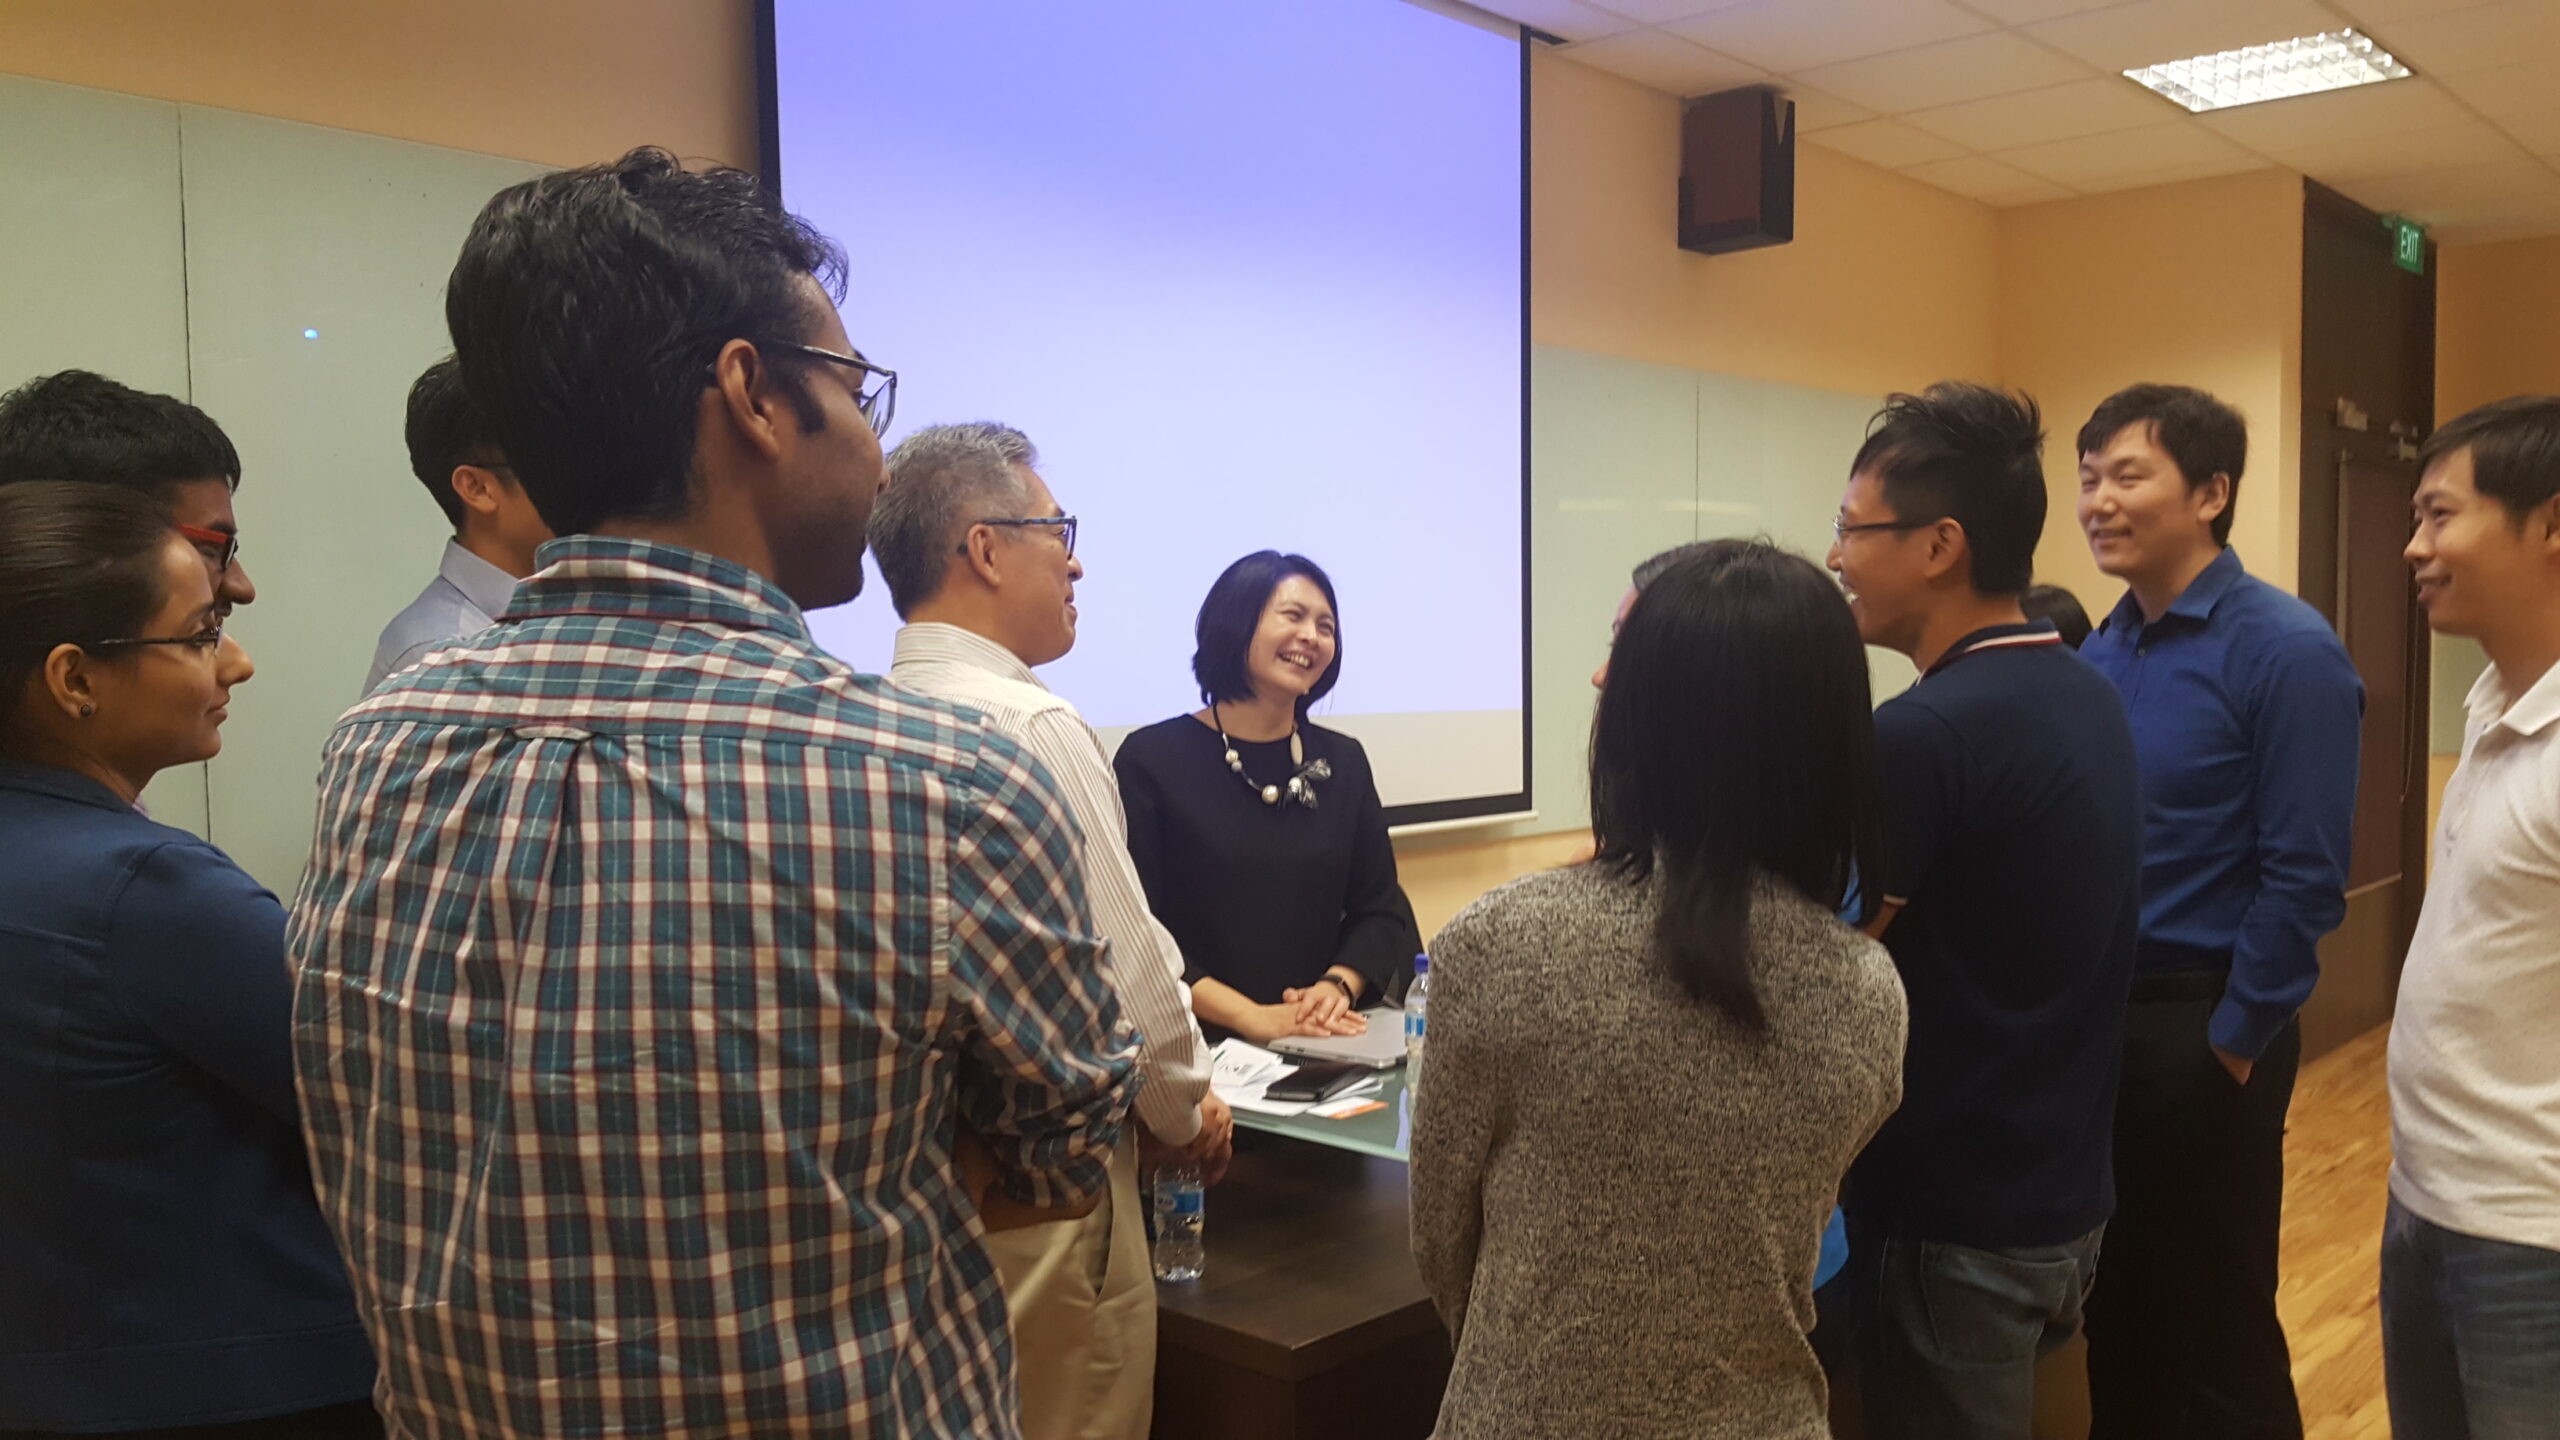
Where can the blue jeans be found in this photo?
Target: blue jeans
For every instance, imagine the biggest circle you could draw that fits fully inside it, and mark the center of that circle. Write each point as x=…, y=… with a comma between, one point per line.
x=1947, y=1337
x=2470, y=1334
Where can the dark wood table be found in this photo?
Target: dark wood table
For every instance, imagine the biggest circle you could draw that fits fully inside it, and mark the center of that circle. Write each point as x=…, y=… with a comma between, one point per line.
x=1310, y=1320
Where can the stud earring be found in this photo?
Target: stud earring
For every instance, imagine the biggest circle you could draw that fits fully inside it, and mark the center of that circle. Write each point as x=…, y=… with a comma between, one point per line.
x=87, y=710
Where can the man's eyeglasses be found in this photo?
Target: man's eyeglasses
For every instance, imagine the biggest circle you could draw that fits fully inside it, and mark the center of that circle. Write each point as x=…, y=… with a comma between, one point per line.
x=879, y=404
x=219, y=547
x=1842, y=530
x=1064, y=527
x=204, y=641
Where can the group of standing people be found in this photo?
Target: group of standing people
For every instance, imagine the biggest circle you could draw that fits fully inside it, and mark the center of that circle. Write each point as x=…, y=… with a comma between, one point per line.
x=679, y=1032
x=675, y=1031
x=2051, y=1093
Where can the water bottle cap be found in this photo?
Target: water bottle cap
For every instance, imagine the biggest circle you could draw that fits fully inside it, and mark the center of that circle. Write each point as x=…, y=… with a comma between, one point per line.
x=1421, y=964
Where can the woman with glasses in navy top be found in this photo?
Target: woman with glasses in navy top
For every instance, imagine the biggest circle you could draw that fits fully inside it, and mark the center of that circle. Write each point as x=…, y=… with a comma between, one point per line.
x=163, y=1266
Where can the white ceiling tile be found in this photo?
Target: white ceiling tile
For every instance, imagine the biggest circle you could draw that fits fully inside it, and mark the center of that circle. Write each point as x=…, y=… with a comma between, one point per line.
x=2385, y=12
x=1946, y=73
x=2027, y=12
x=1886, y=143
x=2458, y=146
x=2509, y=89
x=2536, y=130
x=1666, y=62
x=2476, y=39
x=1788, y=36
x=2476, y=192
x=2057, y=112
x=1816, y=112
x=2390, y=107
x=1564, y=19
x=1981, y=178
x=2180, y=148
x=1656, y=12
x=2129, y=36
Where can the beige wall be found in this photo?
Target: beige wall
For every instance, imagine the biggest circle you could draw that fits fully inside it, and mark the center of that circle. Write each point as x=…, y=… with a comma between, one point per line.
x=1888, y=285
x=560, y=82
x=2497, y=322
x=2196, y=284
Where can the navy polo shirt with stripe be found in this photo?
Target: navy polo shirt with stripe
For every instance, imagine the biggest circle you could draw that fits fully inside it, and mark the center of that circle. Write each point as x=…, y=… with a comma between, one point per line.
x=2014, y=842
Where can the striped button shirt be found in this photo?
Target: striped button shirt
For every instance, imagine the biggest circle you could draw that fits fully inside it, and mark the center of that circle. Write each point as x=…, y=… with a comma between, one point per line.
x=649, y=962
x=949, y=663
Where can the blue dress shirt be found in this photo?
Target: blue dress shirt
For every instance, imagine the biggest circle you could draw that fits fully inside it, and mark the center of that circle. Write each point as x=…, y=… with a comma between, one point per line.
x=466, y=597
x=162, y=1260
x=2246, y=717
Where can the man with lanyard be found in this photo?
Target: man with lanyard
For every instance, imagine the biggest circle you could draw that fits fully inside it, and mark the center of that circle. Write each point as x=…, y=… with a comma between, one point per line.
x=2011, y=893
x=2246, y=712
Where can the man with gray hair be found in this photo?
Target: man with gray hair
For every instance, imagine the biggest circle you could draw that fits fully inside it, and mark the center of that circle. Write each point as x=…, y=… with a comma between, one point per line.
x=980, y=563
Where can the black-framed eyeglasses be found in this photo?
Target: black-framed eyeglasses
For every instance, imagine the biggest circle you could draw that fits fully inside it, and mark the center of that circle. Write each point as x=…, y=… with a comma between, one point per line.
x=204, y=641
x=879, y=404
x=1842, y=530
x=1063, y=525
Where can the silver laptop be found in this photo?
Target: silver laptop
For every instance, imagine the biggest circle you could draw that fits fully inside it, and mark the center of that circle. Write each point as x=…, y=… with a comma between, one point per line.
x=1380, y=1047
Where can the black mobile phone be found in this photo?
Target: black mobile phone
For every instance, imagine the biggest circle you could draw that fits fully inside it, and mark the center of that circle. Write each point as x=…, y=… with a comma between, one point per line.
x=1320, y=1081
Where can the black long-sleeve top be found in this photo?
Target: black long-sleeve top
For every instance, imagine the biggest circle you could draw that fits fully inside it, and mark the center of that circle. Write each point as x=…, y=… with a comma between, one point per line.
x=1265, y=897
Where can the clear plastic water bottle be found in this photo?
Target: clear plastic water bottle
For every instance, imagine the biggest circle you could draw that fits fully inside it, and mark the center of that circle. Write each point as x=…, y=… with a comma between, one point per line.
x=1417, y=1004
x=1180, y=1205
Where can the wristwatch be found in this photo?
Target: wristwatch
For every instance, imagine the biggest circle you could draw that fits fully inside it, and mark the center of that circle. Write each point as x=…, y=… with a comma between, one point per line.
x=1338, y=983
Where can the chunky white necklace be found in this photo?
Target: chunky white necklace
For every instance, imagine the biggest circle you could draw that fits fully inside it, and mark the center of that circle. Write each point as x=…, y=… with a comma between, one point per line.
x=1302, y=784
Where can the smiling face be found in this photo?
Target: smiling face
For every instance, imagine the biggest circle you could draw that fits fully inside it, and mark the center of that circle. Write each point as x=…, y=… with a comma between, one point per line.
x=1882, y=570
x=2143, y=520
x=1294, y=644
x=2478, y=566
x=155, y=706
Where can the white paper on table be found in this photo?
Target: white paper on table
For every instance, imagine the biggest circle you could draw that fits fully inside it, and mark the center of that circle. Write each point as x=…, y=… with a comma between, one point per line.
x=1239, y=1071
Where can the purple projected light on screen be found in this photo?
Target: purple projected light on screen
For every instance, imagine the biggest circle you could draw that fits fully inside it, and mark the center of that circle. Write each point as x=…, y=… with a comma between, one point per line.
x=1249, y=276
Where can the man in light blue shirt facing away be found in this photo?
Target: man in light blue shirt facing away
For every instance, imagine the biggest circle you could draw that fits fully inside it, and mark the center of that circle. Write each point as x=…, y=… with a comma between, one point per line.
x=495, y=527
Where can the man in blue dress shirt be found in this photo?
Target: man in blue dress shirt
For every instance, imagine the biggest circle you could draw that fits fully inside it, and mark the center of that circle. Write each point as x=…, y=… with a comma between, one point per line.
x=495, y=527
x=2246, y=713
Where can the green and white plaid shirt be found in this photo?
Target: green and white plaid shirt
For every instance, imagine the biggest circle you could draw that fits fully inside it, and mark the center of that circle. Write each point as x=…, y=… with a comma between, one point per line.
x=649, y=963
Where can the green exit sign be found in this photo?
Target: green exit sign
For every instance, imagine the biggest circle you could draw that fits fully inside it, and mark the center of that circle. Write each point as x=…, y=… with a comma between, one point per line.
x=2408, y=243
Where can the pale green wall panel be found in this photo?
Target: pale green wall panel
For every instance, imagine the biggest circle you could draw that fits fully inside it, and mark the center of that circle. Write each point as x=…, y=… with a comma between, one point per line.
x=93, y=268
x=292, y=228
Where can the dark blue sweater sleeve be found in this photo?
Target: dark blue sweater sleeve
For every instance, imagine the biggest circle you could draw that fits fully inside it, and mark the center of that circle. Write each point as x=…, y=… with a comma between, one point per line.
x=2307, y=723
x=198, y=949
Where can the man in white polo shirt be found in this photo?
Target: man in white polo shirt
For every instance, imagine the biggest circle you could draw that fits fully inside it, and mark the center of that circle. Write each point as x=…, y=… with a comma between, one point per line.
x=2471, y=1248
x=981, y=565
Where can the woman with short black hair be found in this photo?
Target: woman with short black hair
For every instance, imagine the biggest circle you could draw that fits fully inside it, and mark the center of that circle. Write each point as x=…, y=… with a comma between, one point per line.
x=1259, y=835
x=163, y=1266
x=1650, y=1071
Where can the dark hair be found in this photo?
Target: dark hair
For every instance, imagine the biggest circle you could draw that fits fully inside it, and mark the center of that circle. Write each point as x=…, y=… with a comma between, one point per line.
x=1735, y=738
x=445, y=430
x=1233, y=612
x=1652, y=569
x=2205, y=436
x=2515, y=450
x=588, y=304
x=2052, y=602
x=80, y=566
x=1971, y=454
x=82, y=427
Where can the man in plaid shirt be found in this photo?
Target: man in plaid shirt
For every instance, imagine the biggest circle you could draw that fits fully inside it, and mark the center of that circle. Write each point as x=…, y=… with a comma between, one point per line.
x=674, y=1005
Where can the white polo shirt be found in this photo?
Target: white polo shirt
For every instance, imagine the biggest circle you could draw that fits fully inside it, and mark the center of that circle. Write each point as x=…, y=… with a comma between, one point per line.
x=2475, y=1048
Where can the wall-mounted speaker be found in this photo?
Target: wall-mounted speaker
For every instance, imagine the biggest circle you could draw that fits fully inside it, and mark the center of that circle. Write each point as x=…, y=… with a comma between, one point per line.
x=1737, y=171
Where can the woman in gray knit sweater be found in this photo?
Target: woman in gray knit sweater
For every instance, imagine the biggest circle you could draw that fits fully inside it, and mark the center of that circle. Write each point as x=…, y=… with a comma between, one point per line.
x=1649, y=1071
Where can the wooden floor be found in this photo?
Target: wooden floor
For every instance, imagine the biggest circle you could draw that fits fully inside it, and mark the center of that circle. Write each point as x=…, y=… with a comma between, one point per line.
x=2337, y=1164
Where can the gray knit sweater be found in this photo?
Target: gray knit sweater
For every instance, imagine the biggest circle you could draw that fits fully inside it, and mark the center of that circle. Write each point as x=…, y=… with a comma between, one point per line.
x=1618, y=1194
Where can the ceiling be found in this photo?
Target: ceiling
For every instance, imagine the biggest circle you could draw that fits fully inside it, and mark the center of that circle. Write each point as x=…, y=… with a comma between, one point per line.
x=2013, y=102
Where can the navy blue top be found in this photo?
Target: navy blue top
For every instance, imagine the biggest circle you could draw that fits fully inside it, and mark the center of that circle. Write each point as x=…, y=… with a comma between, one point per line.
x=2246, y=714
x=2014, y=842
x=162, y=1261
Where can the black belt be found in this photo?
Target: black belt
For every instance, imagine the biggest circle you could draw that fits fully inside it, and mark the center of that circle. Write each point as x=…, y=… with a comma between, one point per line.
x=2163, y=970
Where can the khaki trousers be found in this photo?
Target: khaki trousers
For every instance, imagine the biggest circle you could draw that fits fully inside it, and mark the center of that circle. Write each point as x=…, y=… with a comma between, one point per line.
x=1082, y=1294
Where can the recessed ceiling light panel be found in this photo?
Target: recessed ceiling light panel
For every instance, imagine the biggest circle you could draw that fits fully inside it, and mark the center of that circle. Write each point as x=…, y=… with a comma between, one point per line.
x=2304, y=66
